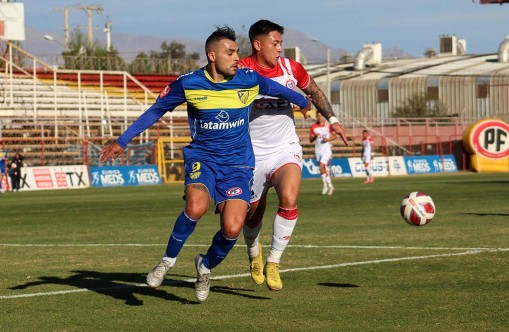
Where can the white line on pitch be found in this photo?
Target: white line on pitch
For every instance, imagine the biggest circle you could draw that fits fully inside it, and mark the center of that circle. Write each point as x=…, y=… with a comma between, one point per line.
x=207, y=245
x=232, y=276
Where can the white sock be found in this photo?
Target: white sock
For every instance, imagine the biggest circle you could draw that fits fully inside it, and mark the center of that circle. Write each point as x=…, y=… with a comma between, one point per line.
x=171, y=260
x=324, y=179
x=252, y=237
x=368, y=171
x=284, y=223
x=203, y=270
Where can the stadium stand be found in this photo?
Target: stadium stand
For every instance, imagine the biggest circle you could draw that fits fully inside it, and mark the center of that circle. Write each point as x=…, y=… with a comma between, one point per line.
x=58, y=117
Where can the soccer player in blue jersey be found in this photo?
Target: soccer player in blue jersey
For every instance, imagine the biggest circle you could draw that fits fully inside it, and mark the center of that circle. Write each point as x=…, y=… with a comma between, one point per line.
x=3, y=170
x=219, y=161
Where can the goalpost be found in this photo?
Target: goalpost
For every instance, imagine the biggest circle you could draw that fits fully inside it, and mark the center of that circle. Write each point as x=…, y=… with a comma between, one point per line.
x=170, y=160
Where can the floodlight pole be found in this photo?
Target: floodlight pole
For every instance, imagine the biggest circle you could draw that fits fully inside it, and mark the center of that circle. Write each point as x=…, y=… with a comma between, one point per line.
x=328, y=75
x=327, y=69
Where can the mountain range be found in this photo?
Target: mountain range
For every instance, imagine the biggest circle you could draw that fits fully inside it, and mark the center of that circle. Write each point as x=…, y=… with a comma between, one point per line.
x=129, y=45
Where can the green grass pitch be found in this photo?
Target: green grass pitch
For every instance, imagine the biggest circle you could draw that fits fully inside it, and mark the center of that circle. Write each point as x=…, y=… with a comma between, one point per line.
x=76, y=260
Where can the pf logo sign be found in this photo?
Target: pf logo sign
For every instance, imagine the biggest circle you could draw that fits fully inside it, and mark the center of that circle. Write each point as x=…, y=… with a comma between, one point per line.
x=488, y=143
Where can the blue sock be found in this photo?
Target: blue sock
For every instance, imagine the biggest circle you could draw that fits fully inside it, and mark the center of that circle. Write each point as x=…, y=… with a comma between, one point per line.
x=221, y=246
x=184, y=227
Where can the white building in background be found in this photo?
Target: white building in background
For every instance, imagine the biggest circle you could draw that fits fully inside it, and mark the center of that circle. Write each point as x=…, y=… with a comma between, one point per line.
x=469, y=85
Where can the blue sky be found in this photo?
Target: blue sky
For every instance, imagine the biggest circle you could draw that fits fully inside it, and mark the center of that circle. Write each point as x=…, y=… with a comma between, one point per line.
x=413, y=25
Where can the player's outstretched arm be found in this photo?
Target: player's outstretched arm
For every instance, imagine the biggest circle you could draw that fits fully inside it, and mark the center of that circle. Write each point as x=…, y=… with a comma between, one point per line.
x=272, y=88
x=312, y=136
x=324, y=107
x=111, y=150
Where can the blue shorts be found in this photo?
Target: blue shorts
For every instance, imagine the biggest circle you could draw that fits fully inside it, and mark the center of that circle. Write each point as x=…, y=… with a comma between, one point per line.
x=222, y=182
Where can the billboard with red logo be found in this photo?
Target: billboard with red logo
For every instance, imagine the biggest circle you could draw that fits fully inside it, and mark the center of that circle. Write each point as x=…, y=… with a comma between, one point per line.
x=54, y=177
x=487, y=141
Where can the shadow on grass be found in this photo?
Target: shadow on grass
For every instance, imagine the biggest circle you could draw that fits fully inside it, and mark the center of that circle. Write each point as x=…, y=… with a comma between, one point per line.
x=486, y=214
x=473, y=182
x=334, y=284
x=125, y=286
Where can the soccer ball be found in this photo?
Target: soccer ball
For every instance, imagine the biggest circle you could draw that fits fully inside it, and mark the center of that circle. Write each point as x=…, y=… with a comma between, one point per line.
x=417, y=208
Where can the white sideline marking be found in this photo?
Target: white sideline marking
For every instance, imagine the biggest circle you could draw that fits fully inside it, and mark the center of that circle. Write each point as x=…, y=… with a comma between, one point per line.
x=231, y=276
x=207, y=245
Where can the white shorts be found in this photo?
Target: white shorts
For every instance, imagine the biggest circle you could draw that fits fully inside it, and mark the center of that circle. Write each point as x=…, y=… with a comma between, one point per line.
x=265, y=168
x=366, y=159
x=324, y=157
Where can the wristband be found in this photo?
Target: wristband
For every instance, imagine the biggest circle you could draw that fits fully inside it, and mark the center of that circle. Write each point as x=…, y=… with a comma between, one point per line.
x=333, y=120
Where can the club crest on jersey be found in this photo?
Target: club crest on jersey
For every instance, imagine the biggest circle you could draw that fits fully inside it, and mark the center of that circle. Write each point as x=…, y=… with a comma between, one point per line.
x=235, y=191
x=243, y=96
x=164, y=92
x=290, y=84
x=223, y=116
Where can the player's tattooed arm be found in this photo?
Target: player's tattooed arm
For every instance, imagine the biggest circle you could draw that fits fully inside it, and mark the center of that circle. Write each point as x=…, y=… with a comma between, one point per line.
x=319, y=99
x=324, y=107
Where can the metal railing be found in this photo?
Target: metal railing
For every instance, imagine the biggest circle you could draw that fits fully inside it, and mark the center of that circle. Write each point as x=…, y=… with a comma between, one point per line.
x=137, y=65
x=53, y=89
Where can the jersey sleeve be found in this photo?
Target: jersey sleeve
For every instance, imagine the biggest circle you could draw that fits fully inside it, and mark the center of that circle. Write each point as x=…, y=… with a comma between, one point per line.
x=172, y=96
x=312, y=131
x=272, y=88
x=300, y=74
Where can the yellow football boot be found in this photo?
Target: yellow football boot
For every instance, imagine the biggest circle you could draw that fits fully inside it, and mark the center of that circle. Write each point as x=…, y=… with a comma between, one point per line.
x=256, y=267
x=272, y=273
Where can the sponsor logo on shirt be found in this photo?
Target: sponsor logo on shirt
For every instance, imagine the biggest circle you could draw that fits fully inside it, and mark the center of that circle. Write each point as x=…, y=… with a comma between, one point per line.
x=223, y=116
x=164, y=92
x=224, y=122
x=266, y=104
x=202, y=98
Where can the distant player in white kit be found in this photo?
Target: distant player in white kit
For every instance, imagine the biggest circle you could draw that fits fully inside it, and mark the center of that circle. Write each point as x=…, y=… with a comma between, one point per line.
x=322, y=135
x=367, y=150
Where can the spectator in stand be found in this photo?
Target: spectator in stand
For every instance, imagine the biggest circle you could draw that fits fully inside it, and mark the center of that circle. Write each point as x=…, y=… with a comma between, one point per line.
x=367, y=150
x=16, y=164
x=322, y=135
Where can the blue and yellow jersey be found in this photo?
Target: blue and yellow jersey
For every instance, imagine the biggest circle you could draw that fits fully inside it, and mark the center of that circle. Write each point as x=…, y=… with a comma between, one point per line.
x=218, y=114
x=3, y=158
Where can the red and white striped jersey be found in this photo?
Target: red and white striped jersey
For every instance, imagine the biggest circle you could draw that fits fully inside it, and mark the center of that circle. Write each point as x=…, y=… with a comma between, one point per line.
x=271, y=122
x=321, y=132
x=367, y=144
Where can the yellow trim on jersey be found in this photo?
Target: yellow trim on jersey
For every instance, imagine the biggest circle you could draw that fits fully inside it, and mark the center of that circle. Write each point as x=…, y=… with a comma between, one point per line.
x=208, y=99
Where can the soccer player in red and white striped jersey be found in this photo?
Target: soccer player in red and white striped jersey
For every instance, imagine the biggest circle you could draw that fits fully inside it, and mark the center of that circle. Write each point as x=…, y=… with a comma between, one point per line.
x=276, y=146
x=322, y=136
x=367, y=150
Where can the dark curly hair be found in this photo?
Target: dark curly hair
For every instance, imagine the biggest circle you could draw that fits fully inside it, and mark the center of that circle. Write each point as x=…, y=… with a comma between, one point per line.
x=224, y=32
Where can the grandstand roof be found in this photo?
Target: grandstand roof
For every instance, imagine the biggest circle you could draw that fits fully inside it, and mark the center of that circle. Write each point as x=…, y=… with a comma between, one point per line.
x=461, y=65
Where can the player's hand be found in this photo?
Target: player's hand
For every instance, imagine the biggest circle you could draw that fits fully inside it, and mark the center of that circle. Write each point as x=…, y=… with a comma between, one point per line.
x=305, y=110
x=111, y=150
x=339, y=130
